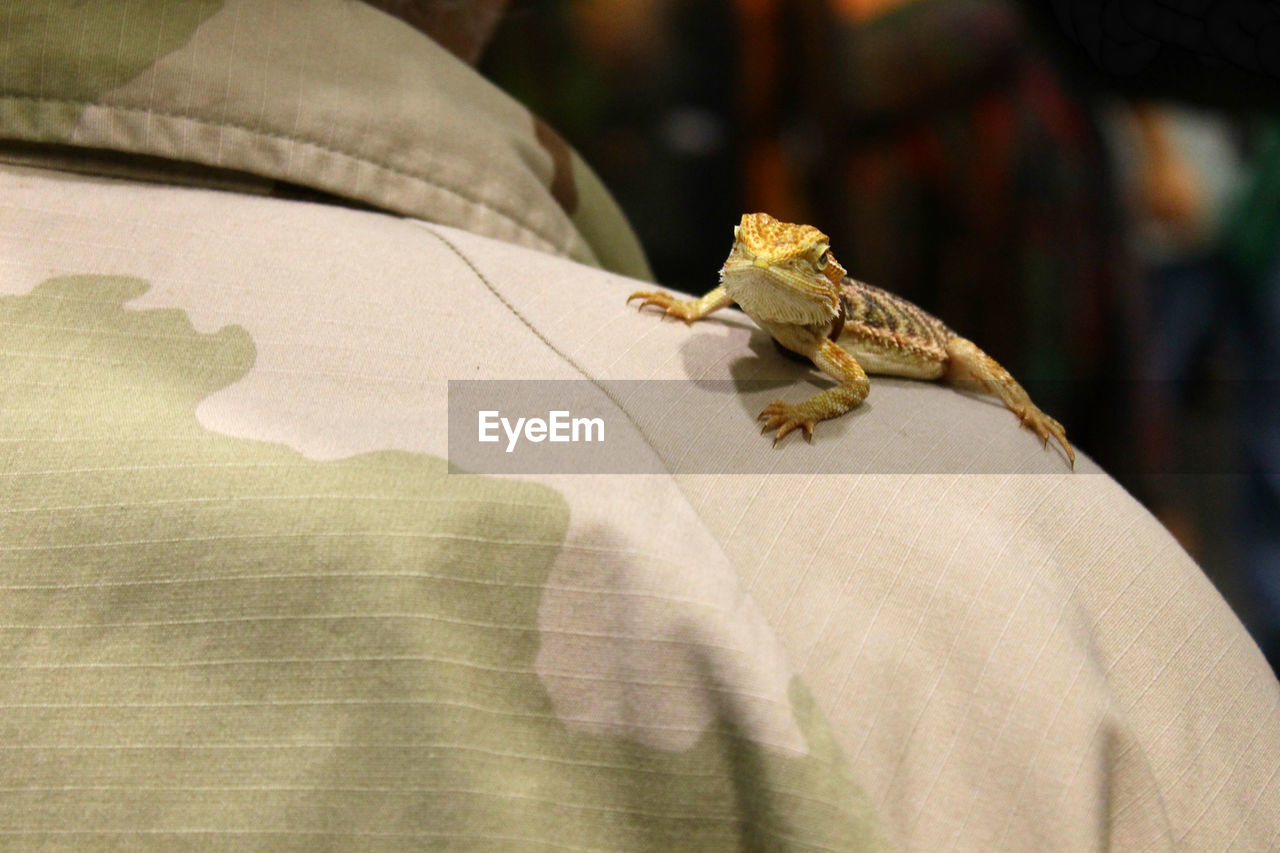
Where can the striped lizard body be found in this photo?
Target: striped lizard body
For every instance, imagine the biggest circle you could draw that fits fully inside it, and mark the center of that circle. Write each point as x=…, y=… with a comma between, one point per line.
x=786, y=279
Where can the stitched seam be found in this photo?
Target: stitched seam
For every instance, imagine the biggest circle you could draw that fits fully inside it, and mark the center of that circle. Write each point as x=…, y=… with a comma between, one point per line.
x=593, y=380
x=582, y=371
x=525, y=320
x=282, y=137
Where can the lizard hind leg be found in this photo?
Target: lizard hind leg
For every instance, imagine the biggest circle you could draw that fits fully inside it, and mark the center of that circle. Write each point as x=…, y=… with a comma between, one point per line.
x=967, y=364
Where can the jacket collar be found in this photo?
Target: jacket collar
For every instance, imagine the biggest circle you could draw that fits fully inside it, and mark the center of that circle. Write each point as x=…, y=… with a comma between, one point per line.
x=329, y=95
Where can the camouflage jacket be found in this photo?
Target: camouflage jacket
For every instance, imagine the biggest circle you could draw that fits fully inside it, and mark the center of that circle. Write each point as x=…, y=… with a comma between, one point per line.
x=245, y=248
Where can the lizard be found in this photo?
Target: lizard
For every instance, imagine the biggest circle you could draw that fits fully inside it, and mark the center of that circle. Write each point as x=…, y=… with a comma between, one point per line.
x=785, y=277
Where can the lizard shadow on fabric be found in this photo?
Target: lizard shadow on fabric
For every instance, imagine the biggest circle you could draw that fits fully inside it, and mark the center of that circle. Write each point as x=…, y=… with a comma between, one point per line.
x=768, y=373
x=793, y=378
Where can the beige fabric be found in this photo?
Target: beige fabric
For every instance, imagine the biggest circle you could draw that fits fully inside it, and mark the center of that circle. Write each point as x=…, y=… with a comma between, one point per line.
x=1016, y=661
x=242, y=602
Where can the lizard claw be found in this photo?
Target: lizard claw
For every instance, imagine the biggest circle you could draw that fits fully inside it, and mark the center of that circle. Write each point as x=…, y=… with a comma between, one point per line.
x=1046, y=428
x=785, y=417
x=671, y=306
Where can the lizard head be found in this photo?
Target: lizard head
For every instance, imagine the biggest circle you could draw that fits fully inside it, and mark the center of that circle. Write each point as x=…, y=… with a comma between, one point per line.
x=782, y=273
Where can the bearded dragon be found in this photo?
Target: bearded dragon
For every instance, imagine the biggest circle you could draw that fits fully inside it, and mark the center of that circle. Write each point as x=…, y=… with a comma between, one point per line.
x=786, y=279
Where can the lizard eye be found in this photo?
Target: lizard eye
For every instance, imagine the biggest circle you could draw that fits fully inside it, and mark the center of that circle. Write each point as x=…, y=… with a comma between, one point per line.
x=823, y=259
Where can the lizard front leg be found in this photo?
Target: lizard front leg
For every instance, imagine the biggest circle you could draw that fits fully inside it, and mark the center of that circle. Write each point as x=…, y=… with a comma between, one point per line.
x=832, y=360
x=688, y=310
x=968, y=363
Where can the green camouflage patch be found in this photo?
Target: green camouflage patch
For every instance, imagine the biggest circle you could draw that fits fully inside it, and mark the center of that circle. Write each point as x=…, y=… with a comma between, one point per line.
x=203, y=635
x=115, y=43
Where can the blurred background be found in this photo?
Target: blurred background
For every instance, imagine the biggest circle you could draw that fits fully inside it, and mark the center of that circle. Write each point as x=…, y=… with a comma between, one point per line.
x=1100, y=216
